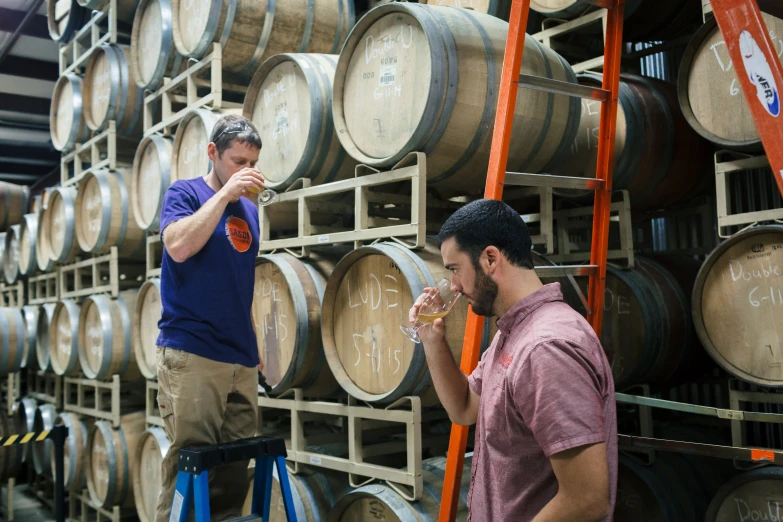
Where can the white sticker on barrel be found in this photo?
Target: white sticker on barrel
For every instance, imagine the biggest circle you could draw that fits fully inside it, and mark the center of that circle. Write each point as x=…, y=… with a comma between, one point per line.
x=323, y=239
x=315, y=460
x=387, y=75
x=281, y=119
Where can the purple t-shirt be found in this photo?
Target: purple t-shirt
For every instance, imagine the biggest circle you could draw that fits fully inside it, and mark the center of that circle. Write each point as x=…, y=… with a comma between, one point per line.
x=207, y=298
x=546, y=387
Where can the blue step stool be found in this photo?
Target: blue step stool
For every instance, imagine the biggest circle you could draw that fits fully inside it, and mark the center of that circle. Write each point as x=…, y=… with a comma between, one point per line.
x=193, y=482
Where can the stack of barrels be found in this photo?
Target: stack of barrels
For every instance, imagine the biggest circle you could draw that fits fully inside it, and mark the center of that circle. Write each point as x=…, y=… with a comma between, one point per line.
x=327, y=95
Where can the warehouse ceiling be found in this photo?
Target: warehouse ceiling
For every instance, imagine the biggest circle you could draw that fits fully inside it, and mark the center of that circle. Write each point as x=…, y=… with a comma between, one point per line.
x=28, y=72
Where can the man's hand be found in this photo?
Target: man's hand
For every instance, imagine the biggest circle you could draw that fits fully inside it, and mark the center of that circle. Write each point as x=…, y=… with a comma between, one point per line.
x=243, y=183
x=435, y=332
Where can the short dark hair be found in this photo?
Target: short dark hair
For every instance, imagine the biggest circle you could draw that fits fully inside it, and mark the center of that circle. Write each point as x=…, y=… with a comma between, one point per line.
x=485, y=223
x=231, y=128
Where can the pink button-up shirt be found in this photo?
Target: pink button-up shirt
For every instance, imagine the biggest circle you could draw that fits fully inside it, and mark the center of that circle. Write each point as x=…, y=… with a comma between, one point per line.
x=546, y=387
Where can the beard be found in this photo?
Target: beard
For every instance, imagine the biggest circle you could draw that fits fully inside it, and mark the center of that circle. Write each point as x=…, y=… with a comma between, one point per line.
x=484, y=294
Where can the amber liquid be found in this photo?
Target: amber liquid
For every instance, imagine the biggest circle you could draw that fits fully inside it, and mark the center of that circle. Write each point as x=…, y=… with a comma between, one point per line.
x=429, y=318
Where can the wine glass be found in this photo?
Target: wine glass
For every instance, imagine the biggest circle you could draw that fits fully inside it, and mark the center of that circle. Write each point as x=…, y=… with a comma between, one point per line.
x=437, y=303
x=265, y=197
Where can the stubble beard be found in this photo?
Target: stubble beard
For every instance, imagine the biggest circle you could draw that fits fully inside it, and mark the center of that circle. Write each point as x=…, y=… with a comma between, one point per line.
x=484, y=294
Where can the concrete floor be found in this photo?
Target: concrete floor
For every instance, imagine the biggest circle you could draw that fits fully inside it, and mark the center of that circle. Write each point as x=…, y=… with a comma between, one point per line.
x=28, y=508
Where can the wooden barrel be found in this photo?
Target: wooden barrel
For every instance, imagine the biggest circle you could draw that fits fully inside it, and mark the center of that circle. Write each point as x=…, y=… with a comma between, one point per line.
x=251, y=32
x=111, y=93
x=66, y=115
x=659, y=159
x=64, y=338
x=189, y=155
x=111, y=459
x=153, y=55
x=367, y=298
x=65, y=17
x=24, y=411
x=738, y=302
x=496, y=8
x=43, y=250
x=313, y=490
x=30, y=321
x=2, y=252
x=382, y=111
x=12, y=335
x=10, y=257
x=145, y=327
x=105, y=337
x=104, y=215
x=36, y=204
x=710, y=95
x=644, y=19
x=75, y=451
x=753, y=495
x=290, y=102
x=13, y=204
x=152, y=448
x=287, y=314
x=150, y=180
x=674, y=489
x=59, y=225
x=43, y=451
x=42, y=337
x=28, y=232
x=381, y=502
x=126, y=9
x=648, y=333
x=10, y=456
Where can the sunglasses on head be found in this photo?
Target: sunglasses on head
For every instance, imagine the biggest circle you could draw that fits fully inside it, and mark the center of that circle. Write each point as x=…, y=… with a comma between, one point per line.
x=235, y=128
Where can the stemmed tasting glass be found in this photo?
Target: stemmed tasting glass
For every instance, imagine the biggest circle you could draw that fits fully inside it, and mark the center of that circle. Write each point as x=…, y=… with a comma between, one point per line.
x=438, y=302
x=265, y=197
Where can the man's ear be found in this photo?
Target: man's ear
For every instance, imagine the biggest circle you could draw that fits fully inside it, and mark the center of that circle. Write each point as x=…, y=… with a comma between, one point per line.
x=212, y=151
x=492, y=256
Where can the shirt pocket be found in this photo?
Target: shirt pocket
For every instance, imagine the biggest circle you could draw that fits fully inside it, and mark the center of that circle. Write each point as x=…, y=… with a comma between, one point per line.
x=494, y=393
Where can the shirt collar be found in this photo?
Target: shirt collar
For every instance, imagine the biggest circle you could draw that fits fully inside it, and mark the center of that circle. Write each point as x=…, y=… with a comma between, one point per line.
x=519, y=312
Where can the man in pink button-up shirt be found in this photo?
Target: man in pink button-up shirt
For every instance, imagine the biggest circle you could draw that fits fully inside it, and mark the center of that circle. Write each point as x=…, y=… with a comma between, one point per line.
x=542, y=394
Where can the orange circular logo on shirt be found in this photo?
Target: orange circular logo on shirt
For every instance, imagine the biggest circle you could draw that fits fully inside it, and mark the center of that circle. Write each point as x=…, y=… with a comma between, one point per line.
x=238, y=233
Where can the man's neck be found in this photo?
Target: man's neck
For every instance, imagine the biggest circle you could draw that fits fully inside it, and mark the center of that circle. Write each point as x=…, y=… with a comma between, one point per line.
x=213, y=181
x=523, y=283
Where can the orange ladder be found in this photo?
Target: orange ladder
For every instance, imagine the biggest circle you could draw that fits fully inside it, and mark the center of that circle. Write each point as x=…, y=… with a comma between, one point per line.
x=497, y=178
x=759, y=71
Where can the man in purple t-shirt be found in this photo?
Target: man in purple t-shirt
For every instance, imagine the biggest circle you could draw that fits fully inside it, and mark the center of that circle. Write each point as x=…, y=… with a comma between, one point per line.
x=542, y=395
x=207, y=350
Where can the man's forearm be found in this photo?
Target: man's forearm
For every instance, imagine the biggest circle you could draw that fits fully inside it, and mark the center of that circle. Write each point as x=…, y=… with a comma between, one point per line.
x=450, y=383
x=186, y=237
x=561, y=508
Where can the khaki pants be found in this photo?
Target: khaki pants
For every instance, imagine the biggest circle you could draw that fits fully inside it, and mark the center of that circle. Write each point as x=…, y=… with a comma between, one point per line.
x=204, y=402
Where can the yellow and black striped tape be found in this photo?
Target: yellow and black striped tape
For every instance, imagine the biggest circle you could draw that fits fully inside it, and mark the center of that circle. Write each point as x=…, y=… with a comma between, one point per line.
x=33, y=436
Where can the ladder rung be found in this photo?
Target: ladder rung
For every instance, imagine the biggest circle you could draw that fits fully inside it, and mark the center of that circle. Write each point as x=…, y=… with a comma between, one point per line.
x=566, y=270
x=559, y=87
x=549, y=180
